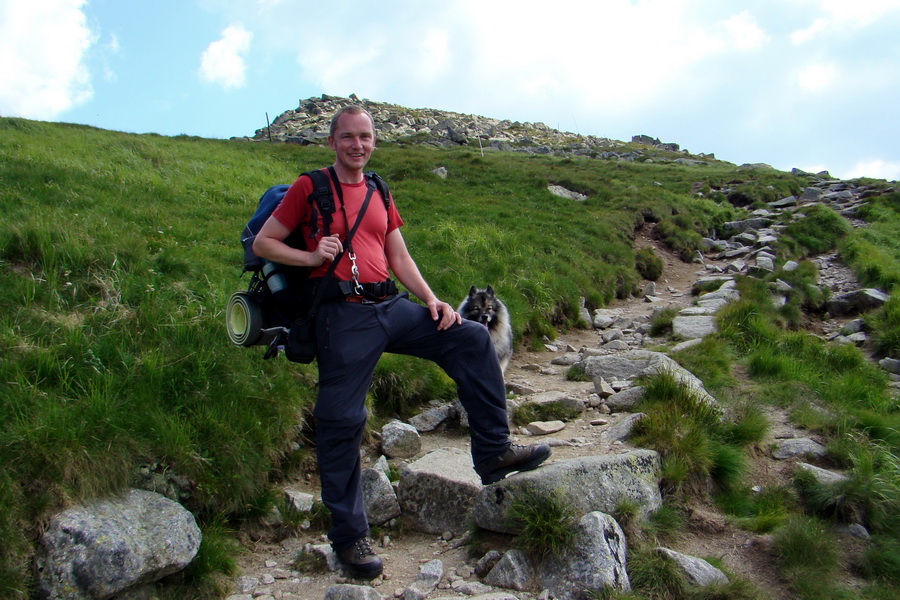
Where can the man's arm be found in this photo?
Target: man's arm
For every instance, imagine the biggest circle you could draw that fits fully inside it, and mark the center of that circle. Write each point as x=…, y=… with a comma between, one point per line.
x=269, y=244
x=405, y=269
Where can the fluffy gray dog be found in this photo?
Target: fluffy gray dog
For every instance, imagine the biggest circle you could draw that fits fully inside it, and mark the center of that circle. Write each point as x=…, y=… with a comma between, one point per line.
x=483, y=306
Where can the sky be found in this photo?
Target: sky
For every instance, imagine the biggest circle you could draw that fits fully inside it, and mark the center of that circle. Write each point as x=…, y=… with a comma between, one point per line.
x=811, y=84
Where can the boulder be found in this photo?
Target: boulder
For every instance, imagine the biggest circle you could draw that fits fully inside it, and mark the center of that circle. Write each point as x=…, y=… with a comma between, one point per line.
x=379, y=500
x=586, y=484
x=109, y=546
x=437, y=491
x=856, y=302
x=693, y=327
x=639, y=363
x=512, y=571
x=400, y=440
x=427, y=579
x=696, y=571
x=595, y=561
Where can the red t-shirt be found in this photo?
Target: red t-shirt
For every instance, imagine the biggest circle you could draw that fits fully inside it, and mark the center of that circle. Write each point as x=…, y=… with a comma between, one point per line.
x=368, y=241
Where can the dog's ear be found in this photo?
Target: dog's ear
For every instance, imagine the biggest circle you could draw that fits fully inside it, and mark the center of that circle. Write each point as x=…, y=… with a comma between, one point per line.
x=472, y=291
x=490, y=290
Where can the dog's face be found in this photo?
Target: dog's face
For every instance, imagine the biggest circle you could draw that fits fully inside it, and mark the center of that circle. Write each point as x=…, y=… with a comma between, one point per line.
x=481, y=306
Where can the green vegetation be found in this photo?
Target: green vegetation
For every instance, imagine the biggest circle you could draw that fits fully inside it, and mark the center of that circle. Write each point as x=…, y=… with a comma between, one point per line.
x=118, y=253
x=648, y=264
x=545, y=522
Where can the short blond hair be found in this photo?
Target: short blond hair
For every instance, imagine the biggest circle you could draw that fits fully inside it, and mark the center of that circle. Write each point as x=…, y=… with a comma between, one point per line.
x=352, y=109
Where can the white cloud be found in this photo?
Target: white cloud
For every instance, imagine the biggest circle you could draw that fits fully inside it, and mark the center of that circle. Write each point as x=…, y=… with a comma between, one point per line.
x=817, y=77
x=744, y=33
x=876, y=168
x=801, y=36
x=42, y=50
x=224, y=61
x=859, y=13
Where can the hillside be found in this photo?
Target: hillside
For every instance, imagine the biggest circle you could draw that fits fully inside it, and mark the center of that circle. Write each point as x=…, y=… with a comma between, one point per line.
x=118, y=253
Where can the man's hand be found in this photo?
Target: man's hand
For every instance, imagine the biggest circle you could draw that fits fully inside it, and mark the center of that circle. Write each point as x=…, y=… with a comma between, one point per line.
x=329, y=247
x=444, y=314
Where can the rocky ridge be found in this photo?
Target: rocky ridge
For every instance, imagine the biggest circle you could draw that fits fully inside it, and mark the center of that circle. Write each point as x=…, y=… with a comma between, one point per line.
x=309, y=124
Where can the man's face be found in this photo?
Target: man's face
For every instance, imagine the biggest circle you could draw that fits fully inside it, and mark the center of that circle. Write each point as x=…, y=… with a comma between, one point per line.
x=353, y=141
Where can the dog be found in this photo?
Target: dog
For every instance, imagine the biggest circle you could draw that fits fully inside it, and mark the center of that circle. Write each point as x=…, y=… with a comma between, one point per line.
x=483, y=306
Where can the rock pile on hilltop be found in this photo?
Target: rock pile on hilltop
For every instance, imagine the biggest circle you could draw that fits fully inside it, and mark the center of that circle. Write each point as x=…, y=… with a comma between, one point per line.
x=309, y=124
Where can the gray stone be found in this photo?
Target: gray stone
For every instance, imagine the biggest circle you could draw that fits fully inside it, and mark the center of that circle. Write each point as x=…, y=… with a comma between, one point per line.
x=823, y=476
x=512, y=571
x=346, y=591
x=616, y=345
x=555, y=397
x=602, y=388
x=693, y=327
x=430, y=419
x=379, y=500
x=790, y=266
x=437, y=491
x=856, y=302
x=696, y=571
x=400, y=440
x=891, y=365
x=299, y=501
x=427, y=579
x=791, y=448
x=595, y=561
x=545, y=427
x=622, y=430
x=614, y=333
x=626, y=399
x=685, y=345
x=105, y=547
x=638, y=363
x=567, y=359
x=586, y=484
x=734, y=227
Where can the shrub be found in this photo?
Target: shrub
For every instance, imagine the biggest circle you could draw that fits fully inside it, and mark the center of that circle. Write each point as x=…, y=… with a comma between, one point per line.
x=818, y=231
x=648, y=264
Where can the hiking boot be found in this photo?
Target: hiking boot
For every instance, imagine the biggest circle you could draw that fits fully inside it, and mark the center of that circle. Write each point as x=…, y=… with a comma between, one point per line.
x=516, y=458
x=361, y=560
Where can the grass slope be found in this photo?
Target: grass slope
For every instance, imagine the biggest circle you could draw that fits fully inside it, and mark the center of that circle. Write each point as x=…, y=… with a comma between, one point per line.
x=119, y=251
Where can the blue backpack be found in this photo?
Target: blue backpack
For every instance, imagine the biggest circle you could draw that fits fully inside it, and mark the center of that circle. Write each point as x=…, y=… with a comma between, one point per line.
x=274, y=297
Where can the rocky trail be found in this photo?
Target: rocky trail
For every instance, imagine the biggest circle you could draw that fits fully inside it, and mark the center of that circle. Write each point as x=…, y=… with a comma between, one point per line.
x=267, y=568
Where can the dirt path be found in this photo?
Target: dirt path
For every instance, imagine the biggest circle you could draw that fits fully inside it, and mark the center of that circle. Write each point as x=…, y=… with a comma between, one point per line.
x=266, y=566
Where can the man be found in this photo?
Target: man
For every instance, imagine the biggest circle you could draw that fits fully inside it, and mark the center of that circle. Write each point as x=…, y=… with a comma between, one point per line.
x=354, y=329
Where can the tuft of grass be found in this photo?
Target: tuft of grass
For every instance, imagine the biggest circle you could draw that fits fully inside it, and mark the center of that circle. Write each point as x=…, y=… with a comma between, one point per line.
x=546, y=523
x=885, y=325
x=695, y=441
x=576, y=373
x=808, y=558
x=648, y=264
x=661, y=322
x=818, y=230
x=550, y=411
x=656, y=576
x=760, y=512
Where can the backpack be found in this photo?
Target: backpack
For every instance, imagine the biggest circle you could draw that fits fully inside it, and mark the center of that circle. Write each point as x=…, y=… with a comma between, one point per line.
x=274, y=297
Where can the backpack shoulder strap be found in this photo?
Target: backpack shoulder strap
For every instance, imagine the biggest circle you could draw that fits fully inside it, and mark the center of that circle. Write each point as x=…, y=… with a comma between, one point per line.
x=381, y=185
x=321, y=199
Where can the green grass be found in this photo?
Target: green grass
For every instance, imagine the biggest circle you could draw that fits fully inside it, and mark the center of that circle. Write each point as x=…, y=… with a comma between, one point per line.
x=118, y=253
x=545, y=522
x=696, y=443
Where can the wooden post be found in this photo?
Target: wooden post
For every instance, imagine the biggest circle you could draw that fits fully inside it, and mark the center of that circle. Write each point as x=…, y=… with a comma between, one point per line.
x=268, y=127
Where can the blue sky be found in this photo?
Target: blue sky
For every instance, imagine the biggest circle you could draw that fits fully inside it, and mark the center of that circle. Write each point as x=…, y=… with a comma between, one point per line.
x=813, y=84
